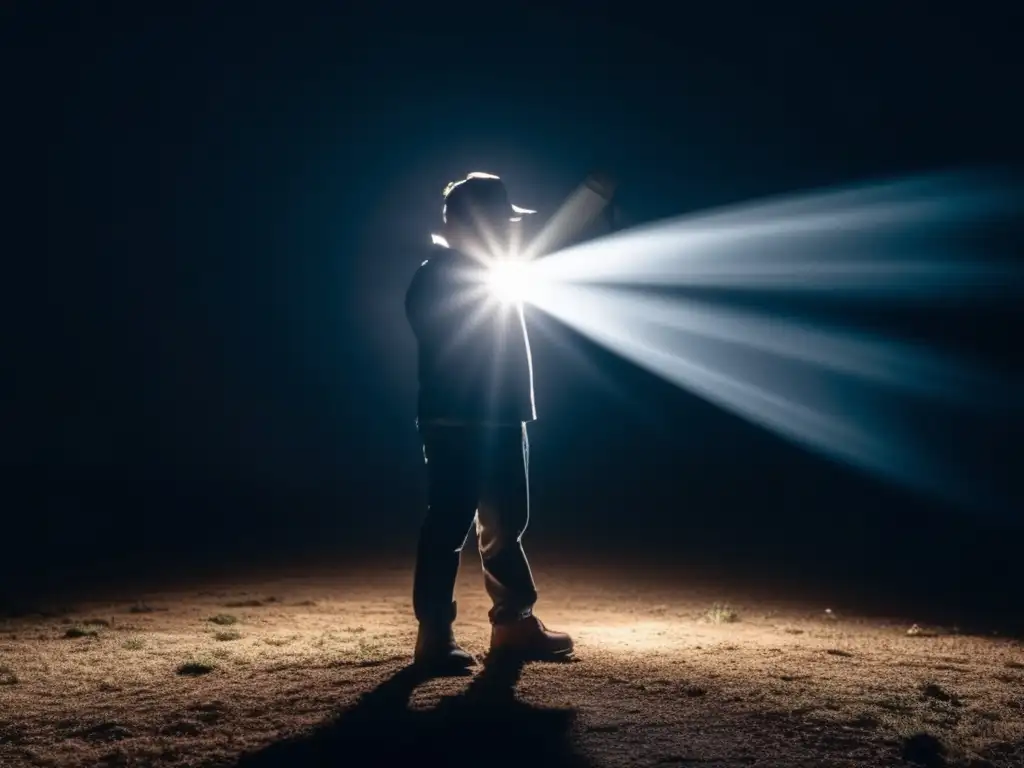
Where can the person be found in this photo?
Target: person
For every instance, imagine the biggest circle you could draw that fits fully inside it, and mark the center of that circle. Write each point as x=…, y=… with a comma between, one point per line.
x=474, y=404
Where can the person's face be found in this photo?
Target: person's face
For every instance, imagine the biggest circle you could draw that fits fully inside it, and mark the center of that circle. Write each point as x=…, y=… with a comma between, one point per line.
x=485, y=224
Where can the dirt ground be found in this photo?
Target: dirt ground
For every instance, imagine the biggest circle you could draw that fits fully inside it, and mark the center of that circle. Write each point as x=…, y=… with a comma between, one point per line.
x=312, y=670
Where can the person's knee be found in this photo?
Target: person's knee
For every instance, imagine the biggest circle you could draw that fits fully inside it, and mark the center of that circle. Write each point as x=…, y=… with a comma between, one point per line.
x=447, y=526
x=495, y=532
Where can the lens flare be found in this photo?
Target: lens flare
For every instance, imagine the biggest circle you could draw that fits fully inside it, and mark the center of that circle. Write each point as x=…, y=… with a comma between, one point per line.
x=509, y=281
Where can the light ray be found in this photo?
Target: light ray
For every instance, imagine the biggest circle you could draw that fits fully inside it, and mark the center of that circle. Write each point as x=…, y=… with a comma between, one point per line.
x=829, y=426
x=896, y=240
x=890, y=362
x=838, y=390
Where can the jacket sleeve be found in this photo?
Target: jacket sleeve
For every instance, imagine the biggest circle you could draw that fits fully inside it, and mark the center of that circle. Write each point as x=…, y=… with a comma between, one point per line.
x=420, y=295
x=414, y=298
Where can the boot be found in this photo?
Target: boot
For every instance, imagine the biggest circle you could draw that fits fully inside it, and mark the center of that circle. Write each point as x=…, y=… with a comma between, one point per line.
x=530, y=640
x=437, y=651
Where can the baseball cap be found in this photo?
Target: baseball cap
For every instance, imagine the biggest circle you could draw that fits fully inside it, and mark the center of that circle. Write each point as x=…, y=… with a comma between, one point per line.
x=479, y=192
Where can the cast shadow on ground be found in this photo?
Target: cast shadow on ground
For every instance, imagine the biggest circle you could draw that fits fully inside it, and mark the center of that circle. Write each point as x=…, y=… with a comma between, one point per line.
x=484, y=725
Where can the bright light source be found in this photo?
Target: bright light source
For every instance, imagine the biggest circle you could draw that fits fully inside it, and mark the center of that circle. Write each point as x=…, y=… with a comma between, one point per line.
x=508, y=281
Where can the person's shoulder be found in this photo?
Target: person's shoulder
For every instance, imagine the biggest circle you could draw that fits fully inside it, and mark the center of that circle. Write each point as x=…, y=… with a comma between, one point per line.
x=431, y=262
x=432, y=258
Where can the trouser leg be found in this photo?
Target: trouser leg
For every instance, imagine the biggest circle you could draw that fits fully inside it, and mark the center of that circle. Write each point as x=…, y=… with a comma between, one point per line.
x=453, y=492
x=502, y=517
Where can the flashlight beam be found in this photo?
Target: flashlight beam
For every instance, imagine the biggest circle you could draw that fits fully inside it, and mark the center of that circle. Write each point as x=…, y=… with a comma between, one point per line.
x=898, y=240
x=788, y=402
x=842, y=392
x=909, y=367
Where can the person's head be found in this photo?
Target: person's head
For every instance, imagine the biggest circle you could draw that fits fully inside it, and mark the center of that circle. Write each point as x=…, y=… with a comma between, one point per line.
x=477, y=209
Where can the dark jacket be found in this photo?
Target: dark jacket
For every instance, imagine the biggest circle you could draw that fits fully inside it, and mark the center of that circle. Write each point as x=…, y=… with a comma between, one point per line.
x=474, y=357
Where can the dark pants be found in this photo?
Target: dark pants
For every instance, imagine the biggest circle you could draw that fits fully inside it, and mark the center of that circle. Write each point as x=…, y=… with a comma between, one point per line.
x=481, y=474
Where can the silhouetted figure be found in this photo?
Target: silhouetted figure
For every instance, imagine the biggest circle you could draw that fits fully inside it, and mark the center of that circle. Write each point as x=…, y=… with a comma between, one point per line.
x=475, y=401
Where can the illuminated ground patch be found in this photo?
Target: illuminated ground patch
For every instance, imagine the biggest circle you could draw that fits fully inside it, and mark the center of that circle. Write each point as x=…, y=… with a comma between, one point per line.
x=664, y=675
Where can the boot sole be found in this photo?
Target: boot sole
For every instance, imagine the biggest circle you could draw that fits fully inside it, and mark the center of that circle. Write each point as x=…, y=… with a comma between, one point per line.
x=445, y=666
x=514, y=655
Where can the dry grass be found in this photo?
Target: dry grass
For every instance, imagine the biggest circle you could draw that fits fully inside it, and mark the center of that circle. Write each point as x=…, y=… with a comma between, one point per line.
x=721, y=614
x=657, y=682
x=77, y=632
x=8, y=676
x=196, y=668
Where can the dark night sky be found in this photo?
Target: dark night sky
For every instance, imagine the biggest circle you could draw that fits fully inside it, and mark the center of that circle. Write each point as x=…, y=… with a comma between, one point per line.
x=217, y=214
